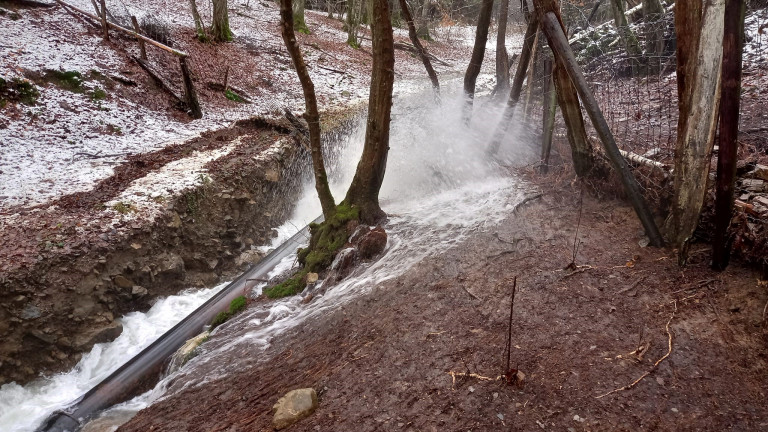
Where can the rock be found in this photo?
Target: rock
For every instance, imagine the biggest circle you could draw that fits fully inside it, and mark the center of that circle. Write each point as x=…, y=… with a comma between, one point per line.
x=123, y=282
x=294, y=406
x=357, y=230
x=312, y=278
x=30, y=312
x=760, y=172
x=138, y=291
x=344, y=262
x=186, y=352
x=45, y=338
x=272, y=175
x=373, y=243
x=106, y=333
x=250, y=256
x=175, y=221
x=762, y=200
x=170, y=265
x=753, y=185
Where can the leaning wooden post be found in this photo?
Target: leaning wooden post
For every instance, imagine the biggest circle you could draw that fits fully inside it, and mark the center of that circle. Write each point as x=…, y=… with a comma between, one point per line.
x=137, y=29
x=730, y=93
x=559, y=43
x=104, y=26
x=189, y=90
x=548, y=124
x=517, y=85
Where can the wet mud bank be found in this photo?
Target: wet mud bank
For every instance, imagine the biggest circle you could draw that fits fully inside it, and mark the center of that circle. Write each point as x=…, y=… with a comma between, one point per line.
x=93, y=257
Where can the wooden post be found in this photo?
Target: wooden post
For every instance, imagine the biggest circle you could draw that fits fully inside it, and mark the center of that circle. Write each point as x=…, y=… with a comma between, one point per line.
x=531, y=70
x=104, y=26
x=137, y=29
x=517, y=86
x=548, y=125
x=730, y=93
x=226, y=79
x=189, y=90
x=559, y=44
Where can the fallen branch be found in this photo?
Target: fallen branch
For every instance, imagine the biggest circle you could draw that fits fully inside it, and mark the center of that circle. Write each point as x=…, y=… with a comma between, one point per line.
x=97, y=155
x=332, y=70
x=642, y=160
x=526, y=201
x=32, y=3
x=470, y=294
x=403, y=46
x=655, y=365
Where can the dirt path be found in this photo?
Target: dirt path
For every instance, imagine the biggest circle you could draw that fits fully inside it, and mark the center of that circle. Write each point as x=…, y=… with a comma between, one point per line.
x=382, y=362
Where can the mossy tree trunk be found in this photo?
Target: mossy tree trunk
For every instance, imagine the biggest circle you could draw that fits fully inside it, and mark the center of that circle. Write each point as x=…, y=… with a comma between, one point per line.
x=422, y=28
x=353, y=22
x=363, y=193
x=299, y=22
x=478, y=53
x=312, y=115
x=412, y=33
x=199, y=27
x=220, y=26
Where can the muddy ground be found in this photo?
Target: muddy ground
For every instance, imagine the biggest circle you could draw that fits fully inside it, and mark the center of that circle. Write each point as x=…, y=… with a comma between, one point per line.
x=384, y=361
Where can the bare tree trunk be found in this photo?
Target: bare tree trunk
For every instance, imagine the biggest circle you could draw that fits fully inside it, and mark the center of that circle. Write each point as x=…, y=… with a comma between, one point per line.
x=700, y=40
x=478, y=53
x=550, y=107
x=626, y=34
x=422, y=29
x=312, y=115
x=555, y=32
x=517, y=85
x=653, y=15
x=733, y=45
x=502, y=59
x=220, y=25
x=568, y=98
x=104, y=26
x=364, y=190
x=530, y=81
x=199, y=27
x=419, y=48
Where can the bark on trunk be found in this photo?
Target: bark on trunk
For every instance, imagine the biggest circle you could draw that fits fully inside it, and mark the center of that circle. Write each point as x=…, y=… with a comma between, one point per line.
x=700, y=39
x=517, y=86
x=733, y=44
x=199, y=27
x=364, y=190
x=190, y=95
x=553, y=28
x=137, y=29
x=548, y=117
x=626, y=34
x=312, y=115
x=419, y=48
x=104, y=26
x=299, y=22
x=478, y=53
x=352, y=23
x=568, y=99
x=502, y=59
x=220, y=25
x=653, y=15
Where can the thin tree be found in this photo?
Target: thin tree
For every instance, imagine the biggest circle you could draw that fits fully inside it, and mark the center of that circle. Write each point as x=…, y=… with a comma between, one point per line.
x=478, y=53
x=417, y=44
x=363, y=193
x=353, y=22
x=733, y=46
x=220, y=25
x=299, y=22
x=199, y=27
x=625, y=33
x=699, y=29
x=653, y=15
x=502, y=58
x=312, y=115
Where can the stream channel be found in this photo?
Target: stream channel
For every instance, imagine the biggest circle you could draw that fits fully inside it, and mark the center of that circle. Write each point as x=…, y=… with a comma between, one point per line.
x=438, y=190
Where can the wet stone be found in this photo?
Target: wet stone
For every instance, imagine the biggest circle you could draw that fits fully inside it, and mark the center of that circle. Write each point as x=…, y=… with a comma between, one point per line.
x=294, y=406
x=123, y=282
x=30, y=312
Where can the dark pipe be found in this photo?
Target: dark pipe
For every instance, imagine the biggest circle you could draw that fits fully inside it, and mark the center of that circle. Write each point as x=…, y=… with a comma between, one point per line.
x=145, y=368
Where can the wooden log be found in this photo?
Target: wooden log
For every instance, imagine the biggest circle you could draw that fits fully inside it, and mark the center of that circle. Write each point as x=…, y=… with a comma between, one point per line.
x=548, y=124
x=159, y=80
x=125, y=30
x=190, y=95
x=559, y=44
x=137, y=29
x=642, y=160
x=730, y=94
x=517, y=86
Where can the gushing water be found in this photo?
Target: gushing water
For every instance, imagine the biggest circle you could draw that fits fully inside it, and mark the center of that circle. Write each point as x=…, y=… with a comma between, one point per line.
x=439, y=189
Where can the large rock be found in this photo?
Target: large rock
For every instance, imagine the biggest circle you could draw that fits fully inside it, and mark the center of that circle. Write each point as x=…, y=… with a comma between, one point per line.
x=373, y=243
x=294, y=406
x=101, y=334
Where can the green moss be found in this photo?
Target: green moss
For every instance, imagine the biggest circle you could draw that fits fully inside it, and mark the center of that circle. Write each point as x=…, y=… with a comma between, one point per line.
x=20, y=90
x=123, y=208
x=327, y=238
x=68, y=80
x=98, y=94
x=235, y=306
x=233, y=96
x=289, y=287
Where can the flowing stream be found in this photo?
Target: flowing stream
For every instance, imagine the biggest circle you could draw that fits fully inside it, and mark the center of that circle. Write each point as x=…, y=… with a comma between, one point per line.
x=438, y=190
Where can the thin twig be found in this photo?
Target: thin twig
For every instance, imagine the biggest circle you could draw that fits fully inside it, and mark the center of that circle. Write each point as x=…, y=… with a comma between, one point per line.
x=578, y=225
x=509, y=334
x=470, y=294
x=655, y=365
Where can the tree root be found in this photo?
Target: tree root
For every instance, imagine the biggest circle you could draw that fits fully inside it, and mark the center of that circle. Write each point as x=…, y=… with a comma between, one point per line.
x=655, y=365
